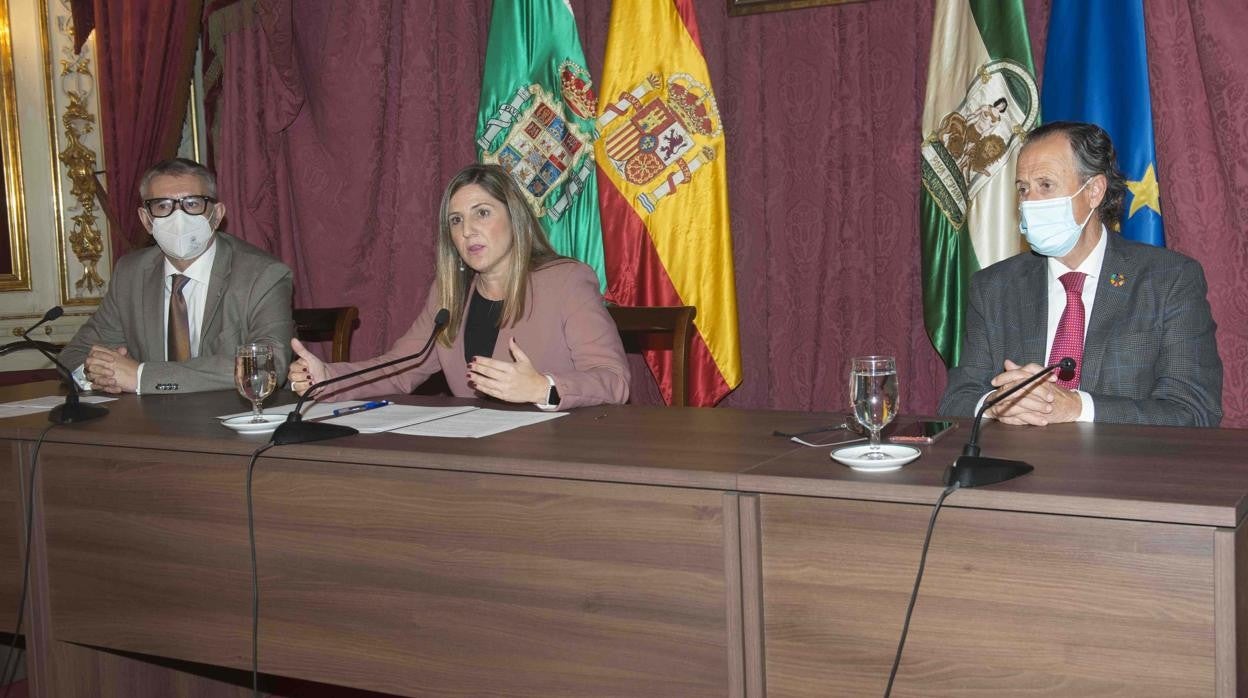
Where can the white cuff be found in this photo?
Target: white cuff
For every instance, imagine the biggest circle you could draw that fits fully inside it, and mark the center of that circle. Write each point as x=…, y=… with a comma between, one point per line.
x=80, y=377
x=1088, y=413
x=981, y=404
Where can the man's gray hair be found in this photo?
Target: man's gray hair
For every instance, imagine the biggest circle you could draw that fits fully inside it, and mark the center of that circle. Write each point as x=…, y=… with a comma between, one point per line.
x=177, y=167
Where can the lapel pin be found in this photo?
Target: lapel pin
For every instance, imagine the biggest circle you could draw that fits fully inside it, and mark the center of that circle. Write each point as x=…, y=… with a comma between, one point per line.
x=1117, y=280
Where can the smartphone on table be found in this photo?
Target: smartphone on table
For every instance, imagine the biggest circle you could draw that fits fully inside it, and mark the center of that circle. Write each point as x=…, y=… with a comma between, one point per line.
x=923, y=432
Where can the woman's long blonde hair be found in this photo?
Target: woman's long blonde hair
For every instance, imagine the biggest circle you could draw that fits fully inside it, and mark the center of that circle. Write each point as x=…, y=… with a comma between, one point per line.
x=529, y=250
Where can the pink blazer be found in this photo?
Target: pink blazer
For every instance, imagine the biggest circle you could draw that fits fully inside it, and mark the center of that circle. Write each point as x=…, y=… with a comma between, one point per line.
x=565, y=331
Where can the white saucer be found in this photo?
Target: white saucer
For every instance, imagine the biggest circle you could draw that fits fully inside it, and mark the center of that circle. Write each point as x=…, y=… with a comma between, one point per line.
x=244, y=425
x=897, y=457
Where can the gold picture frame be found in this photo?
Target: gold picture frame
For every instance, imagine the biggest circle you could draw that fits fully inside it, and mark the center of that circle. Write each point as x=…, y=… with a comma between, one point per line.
x=737, y=8
x=15, y=257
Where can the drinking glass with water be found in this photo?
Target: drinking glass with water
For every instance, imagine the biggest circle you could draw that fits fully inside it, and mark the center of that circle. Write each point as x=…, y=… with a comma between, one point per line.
x=873, y=396
x=255, y=375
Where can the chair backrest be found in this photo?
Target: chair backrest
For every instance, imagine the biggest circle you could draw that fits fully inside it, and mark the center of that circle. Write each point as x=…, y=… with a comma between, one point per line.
x=326, y=325
x=676, y=320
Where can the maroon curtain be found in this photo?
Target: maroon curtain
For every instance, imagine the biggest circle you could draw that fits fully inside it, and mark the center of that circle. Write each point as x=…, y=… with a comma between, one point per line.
x=822, y=109
x=1199, y=81
x=336, y=139
x=146, y=54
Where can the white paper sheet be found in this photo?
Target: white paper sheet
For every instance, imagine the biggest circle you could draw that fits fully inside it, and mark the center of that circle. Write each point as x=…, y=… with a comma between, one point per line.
x=392, y=417
x=373, y=421
x=478, y=423
x=44, y=404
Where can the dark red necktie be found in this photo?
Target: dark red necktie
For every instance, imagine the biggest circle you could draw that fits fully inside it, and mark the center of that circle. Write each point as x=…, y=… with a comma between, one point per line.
x=1069, y=338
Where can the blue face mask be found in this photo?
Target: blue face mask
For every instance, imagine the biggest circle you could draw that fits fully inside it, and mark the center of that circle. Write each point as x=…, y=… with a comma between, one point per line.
x=1049, y=225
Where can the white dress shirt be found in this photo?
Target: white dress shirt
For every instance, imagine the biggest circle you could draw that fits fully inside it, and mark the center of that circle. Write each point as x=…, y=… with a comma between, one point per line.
x=195, y=292
x=1091, y=266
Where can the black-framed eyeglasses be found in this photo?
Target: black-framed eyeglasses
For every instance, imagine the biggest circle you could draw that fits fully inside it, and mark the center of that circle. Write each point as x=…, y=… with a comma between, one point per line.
x=193, y=205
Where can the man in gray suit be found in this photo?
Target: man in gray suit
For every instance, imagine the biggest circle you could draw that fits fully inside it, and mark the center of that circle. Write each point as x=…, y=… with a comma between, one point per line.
x=175, y=313
x=1150, y=355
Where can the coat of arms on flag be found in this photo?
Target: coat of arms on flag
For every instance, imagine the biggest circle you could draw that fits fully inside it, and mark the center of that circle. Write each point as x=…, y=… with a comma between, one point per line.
x=976, y=140
x=543, y=148
x=649, y=131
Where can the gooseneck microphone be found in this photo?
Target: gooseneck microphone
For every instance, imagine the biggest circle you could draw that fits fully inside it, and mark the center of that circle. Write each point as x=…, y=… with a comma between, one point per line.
x=296, y=431
x=28, y=343
x=73, y=410
x=972, y=470
x=54, y=313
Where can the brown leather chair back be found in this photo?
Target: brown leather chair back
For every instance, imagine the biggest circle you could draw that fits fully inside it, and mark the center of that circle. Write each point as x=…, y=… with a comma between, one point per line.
x=327, y=325
x=636, y=323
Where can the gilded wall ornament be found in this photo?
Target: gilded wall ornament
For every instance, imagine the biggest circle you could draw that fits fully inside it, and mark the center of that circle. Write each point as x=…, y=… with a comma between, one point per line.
x=72, y=93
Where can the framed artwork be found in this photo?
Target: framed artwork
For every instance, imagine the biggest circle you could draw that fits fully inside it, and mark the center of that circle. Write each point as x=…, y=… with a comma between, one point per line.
x=737, y=8
x=14, y=259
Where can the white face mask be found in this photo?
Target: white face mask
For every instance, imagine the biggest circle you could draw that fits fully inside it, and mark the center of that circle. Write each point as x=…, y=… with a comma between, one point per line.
x=182, y=236
x=1049, y=225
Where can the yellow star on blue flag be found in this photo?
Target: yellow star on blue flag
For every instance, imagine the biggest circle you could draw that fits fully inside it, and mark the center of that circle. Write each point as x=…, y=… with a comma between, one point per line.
x=1145, y=193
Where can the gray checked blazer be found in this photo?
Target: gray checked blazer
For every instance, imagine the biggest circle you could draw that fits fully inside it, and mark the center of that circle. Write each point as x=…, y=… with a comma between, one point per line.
x=248, y=301
x=1150, y=355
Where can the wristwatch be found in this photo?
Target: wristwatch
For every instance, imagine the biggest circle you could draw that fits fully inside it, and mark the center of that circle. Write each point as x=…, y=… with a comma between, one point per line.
x=552, y=396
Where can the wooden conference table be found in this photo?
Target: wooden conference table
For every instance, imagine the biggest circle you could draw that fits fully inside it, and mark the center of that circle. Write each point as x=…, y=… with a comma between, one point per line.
x=623, y=551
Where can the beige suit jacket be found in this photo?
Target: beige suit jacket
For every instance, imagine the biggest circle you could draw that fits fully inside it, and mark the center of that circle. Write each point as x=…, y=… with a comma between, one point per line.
x=248, y=301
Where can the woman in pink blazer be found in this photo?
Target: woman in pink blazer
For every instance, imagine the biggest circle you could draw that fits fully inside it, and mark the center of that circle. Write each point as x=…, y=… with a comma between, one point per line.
x=526, y=325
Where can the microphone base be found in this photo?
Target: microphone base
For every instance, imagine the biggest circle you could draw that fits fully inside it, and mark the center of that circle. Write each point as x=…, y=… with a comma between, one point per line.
x=74, y=412
x=301, y=432
x=976, y=471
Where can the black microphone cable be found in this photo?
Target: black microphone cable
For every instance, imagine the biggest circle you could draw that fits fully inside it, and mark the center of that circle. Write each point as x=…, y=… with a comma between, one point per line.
x=30, y=522
x=914, y=594
x=294, y=420
x=255, y=579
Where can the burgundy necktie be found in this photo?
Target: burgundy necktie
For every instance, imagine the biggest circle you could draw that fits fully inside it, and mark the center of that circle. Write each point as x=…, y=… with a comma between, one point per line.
x=1069, y=338
x=179, y=342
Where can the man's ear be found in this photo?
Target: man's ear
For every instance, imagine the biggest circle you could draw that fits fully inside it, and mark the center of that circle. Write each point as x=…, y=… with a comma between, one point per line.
x=217, y=215
x=1097, y=186
x=145, y=218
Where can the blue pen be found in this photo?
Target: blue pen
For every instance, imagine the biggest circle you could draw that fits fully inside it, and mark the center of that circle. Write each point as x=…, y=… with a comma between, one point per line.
x=344, y=411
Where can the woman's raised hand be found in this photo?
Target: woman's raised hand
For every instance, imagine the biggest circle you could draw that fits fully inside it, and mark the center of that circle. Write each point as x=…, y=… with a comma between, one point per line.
x=305, y=371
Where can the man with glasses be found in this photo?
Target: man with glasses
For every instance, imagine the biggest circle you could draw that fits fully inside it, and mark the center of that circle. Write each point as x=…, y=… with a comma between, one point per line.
x=175, y=313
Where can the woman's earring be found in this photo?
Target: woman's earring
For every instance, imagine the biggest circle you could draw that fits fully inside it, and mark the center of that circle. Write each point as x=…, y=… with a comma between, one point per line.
x=461, y=266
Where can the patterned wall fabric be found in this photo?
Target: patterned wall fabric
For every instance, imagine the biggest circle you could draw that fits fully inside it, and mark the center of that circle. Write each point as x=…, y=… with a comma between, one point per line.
x=822, y=108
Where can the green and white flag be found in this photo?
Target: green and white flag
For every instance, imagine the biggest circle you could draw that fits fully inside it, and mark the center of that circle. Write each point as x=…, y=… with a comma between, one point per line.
x=981, y=99
x=536, y=120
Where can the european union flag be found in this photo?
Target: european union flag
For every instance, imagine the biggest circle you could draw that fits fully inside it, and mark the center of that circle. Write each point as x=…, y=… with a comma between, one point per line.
x=1096, y=70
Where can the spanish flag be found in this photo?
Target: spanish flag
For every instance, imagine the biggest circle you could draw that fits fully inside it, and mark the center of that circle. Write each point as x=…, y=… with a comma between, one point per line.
x=663, y=187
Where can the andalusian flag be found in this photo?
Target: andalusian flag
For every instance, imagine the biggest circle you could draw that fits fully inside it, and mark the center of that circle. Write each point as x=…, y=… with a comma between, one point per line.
x=981, y=99
x=664, y=187
x=536, y=119
x=1096, y=70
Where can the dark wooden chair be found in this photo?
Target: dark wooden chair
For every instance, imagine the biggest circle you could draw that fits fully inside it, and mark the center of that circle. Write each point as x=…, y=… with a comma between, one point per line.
x=328, y=325
x=639, y=325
